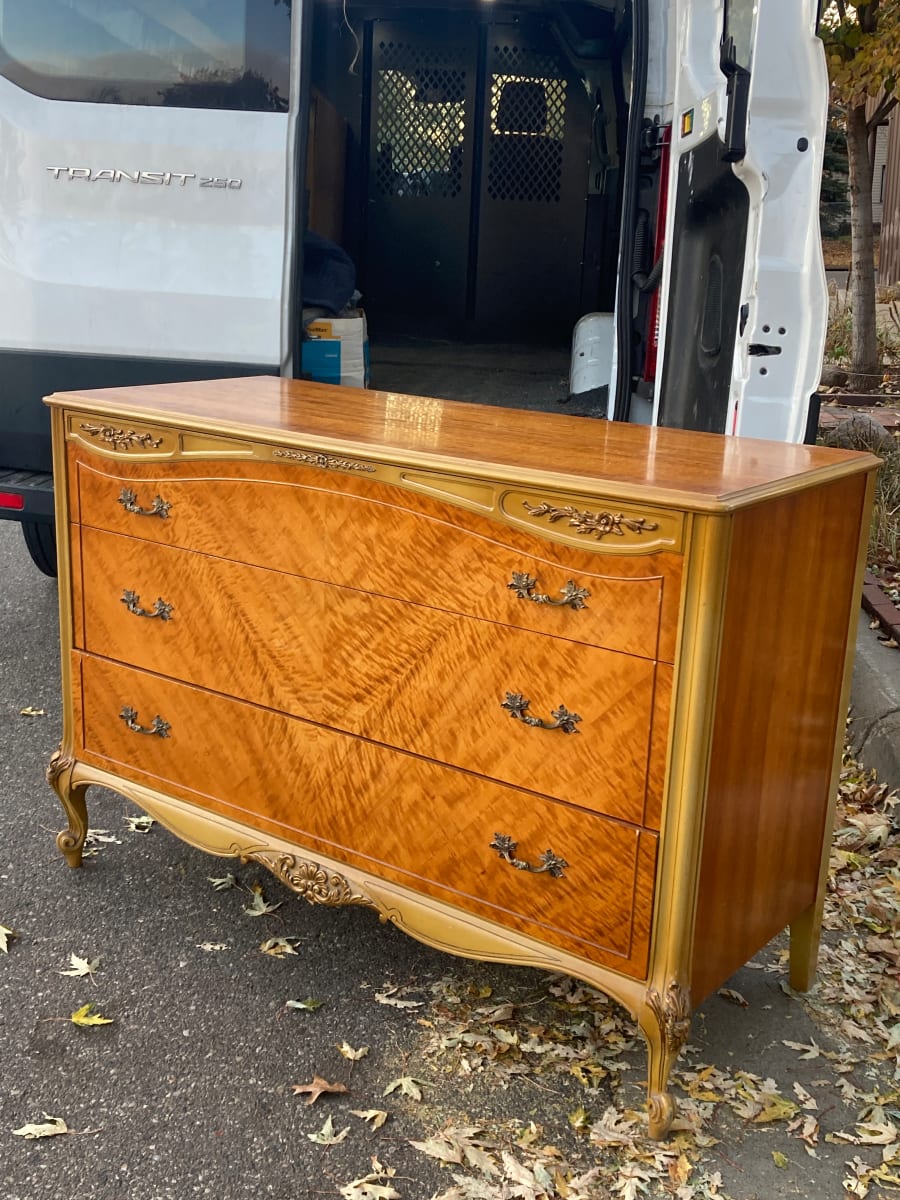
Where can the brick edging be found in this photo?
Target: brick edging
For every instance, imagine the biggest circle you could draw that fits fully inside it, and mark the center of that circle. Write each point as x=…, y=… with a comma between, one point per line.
x=878, y=605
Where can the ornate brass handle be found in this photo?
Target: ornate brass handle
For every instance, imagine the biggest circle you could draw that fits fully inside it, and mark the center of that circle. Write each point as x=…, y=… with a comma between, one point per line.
x=517, y=707
x=550, y=862
x=572, y=594
x=157, y=727
x=161, y=608
x=159, y=507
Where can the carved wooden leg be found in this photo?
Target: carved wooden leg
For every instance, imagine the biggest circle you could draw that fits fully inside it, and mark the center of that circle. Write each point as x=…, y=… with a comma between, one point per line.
x=805, y=932
x=72, y=797
x=665, y=1023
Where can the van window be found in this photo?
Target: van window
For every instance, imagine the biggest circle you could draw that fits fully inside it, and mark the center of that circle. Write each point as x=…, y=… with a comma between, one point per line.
x=232, y=54
x=739, y=16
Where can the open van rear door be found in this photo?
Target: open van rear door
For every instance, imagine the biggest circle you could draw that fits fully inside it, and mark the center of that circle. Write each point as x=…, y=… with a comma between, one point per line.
x=745, y=305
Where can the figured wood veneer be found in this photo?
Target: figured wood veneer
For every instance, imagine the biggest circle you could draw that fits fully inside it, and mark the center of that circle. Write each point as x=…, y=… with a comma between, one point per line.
x=343, y=639
x=366, y=804
x=389, y=541
x=410, y=676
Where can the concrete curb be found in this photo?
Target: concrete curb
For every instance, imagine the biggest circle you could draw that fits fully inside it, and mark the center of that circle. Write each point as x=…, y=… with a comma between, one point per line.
x=875, y=704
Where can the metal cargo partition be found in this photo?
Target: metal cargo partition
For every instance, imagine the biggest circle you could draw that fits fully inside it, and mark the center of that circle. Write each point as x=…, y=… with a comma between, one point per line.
x=479, y=143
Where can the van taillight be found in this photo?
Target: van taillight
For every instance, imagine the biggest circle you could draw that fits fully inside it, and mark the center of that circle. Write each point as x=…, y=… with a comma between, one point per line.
x=653, y=312
x=12, y=500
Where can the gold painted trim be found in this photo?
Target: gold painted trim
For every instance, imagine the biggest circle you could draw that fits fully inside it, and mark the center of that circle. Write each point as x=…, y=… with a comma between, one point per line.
x=607, y=527
x=698, y=646
x=672, y=1010
x=122, y=439
x=594, y=524
x=328, y=462
x=311, y=881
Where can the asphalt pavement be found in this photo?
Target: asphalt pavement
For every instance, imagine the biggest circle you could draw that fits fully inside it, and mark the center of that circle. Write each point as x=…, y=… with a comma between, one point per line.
x=189, y=1091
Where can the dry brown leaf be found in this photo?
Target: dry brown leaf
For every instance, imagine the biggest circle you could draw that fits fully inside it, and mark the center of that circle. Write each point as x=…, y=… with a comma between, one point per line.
x=354, y=1055
x=315, y=1089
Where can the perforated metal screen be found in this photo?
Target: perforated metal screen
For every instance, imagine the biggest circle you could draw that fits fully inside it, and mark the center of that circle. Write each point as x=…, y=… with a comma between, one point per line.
x=420, y=121
x=479, y=137
x=527, y=126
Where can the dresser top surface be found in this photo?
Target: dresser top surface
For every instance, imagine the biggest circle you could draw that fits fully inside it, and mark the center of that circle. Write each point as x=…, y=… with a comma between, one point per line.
x=697, y=470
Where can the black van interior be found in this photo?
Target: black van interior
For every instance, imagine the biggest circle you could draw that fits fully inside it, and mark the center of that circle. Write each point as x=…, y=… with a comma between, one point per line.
x=480, y=188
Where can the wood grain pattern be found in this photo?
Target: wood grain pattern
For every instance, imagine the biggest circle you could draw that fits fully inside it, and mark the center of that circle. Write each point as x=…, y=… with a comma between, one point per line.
x=418, y=678
x=406, y=818
x=785, y=620
x=386, y=540
x=696, y=470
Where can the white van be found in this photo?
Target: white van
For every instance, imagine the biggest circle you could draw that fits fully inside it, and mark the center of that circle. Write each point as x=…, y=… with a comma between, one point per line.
x=603, y=207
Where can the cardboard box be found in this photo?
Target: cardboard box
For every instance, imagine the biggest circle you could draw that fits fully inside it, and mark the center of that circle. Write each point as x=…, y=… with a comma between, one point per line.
x=336, y=349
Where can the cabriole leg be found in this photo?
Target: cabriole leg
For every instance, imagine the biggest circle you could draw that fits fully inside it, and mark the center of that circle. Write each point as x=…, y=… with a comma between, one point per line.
x=72, y=796
x=665, y=1022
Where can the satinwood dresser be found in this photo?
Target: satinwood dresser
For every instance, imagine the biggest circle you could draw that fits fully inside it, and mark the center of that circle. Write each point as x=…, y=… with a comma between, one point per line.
x=536, y=689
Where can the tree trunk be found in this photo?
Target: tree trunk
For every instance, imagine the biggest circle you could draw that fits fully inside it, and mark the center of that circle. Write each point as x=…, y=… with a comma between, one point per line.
x=864, y=373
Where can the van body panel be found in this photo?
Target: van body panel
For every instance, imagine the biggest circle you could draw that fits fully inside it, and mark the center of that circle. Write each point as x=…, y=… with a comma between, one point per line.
x=111, y=244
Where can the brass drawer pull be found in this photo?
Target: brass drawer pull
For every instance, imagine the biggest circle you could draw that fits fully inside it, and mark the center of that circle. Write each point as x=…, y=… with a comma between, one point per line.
x=159, y=507
x=517, y=707
x=572, y=594
x=550, y=862
x=161, y=608
x=157, y=727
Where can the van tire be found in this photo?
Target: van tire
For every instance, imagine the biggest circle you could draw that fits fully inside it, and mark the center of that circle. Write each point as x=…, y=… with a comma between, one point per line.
x=40, y=538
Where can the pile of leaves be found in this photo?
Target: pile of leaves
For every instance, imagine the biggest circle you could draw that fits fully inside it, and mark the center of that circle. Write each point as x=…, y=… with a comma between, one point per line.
x=565, y=1031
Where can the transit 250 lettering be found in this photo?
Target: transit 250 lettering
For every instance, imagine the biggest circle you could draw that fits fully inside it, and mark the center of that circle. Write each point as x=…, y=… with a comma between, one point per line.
x=159, y=178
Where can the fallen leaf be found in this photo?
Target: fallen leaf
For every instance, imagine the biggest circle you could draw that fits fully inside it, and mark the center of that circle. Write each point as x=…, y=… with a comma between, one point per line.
x=780, y=1160
x=142, y=823
x=210, y=946
x=259, y=906
x=579, y=1119
x=877, y=1133
x=308, y=1005
x=326, y=1135
x=733, y=997
x=223, y=882
x=774, y=1108
x=5, y=935
x=96, y=838
x=376, y=1117
x=315, y=1089
x=806, y=1100
x=51, y=1127
x=388, y=997
x=278, y=947
x=407, y=1085
x=81, y=966
x=87, y=1015
x=32, y=712
x=371, y=1186
x=354, y=1055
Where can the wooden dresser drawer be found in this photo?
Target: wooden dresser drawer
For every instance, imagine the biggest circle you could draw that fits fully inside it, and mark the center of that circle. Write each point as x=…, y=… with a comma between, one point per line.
x=389, y=540
x=417, y=678
x=368, y=810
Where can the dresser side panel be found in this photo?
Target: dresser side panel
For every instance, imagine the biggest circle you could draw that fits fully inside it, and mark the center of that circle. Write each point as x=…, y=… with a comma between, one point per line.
x=791, y=586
